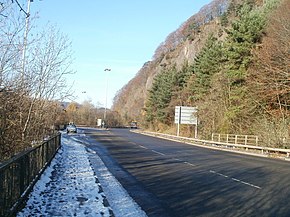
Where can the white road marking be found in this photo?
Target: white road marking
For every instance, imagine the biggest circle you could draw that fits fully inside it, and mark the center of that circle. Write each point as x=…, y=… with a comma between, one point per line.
x=157, y=152
x=220, y=174
x=189, y=164
x=211, y=171
x=246, y=183
x=236, y=180
x=143, y=146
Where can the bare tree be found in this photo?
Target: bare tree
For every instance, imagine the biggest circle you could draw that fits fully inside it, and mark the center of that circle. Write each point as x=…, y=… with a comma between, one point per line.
x=29, y=99
x=49, y=63
x=271, y=75
x=270, y=79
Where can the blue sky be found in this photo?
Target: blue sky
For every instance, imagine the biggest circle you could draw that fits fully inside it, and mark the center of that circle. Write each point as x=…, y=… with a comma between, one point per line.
x=120, y=35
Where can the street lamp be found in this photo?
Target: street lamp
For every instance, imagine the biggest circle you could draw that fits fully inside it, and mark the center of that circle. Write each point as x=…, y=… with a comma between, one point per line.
x=105, y=113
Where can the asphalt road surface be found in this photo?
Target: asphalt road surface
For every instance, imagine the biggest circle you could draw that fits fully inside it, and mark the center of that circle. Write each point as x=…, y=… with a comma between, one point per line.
x=168, y=178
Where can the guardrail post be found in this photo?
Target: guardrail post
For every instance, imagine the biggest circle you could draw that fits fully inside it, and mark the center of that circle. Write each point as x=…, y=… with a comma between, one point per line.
x=236, y=139
x=246, y=138
x=227, y=138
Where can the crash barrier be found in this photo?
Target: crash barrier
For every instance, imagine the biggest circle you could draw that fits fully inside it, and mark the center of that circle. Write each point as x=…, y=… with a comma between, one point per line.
x=262, y=151
x=19, y=174
x=235, y=139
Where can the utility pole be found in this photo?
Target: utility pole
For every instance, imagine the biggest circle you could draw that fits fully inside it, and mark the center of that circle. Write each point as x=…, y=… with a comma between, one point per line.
x=22, y=84
x=105, y=113
x=27, y=22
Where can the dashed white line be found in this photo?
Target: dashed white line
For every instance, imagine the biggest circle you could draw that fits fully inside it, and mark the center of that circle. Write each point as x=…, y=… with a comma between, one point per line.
x=157, y=152
x=189, y=164
x=143, y=146
x=211, y=171
x=220, y=174
x=246, y=183
x=236, y=180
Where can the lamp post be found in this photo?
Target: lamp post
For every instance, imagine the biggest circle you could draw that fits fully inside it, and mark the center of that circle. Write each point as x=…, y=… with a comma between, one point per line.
x=27, y=23
x=105, y=113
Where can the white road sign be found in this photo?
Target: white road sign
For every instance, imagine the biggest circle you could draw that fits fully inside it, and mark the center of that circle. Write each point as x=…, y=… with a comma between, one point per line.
x=185, y=115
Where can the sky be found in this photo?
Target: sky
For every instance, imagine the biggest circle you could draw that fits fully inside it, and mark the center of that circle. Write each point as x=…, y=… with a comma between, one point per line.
x=118, y=35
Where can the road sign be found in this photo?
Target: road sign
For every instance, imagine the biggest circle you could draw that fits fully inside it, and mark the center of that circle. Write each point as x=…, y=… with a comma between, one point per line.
x=99, y=123
x=185, y=115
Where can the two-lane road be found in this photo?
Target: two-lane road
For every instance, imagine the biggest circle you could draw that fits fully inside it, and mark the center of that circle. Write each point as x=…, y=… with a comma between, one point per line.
x=168, y=178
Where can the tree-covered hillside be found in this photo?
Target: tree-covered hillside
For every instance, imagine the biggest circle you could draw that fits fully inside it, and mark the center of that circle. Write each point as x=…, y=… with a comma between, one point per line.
x=236, y=73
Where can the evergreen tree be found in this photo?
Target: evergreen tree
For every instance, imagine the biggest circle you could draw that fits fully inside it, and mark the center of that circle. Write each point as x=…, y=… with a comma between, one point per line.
x=206, y=64
x=182, y=76
x=160, y=96
x=242, y=37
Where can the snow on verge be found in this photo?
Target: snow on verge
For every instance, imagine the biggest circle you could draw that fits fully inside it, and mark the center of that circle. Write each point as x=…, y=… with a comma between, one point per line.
x=119, y=199
x=68, y=187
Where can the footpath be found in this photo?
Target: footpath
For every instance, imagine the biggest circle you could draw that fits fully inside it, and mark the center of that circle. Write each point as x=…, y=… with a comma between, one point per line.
x=72, y=186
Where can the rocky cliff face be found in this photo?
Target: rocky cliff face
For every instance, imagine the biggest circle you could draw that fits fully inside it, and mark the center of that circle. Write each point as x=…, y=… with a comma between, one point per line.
x=180, y=46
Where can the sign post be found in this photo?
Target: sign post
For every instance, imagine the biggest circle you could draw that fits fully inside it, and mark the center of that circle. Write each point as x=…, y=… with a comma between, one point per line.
x=186, y=115
x=178, y=110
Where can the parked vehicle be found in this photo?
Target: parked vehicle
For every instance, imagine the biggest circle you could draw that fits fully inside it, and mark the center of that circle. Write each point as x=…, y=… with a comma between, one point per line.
x=71, y=128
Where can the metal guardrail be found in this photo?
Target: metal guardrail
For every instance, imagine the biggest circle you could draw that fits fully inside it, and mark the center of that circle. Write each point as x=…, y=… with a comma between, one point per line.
x=19, y=174
x=262, y=150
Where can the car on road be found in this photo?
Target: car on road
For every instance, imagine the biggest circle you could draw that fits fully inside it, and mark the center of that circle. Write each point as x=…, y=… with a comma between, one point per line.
x=133, y=125
x=71, y=128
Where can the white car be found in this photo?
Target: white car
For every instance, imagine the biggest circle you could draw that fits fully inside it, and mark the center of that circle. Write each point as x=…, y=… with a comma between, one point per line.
x=71, y=128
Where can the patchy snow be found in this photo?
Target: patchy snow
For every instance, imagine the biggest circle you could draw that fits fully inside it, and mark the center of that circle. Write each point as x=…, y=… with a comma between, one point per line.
x=120, y=201
x=70, y=187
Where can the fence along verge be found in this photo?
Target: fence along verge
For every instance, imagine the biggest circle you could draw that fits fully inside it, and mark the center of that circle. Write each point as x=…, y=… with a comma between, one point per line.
x=235, y=139
x=19, y=174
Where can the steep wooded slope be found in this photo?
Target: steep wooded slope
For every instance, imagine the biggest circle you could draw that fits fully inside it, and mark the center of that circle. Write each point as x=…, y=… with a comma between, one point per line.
x=233, y=66
x=180, y=46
